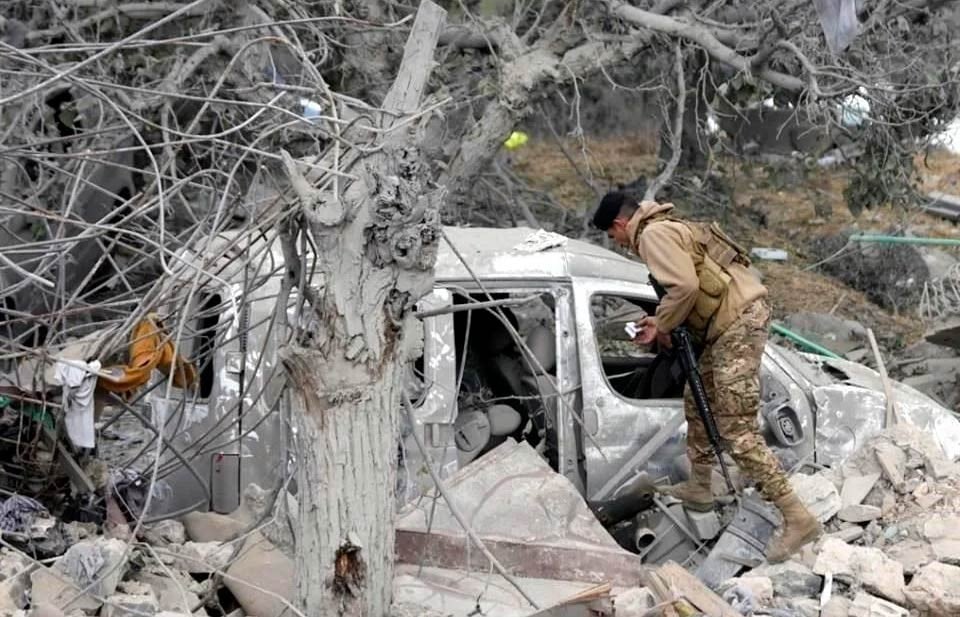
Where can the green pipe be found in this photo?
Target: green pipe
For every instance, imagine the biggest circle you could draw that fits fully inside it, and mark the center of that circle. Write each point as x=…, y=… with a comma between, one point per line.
x=904, y=240
x=803, y=342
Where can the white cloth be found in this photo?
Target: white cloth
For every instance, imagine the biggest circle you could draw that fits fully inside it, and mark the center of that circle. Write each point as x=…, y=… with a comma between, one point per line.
x=78, y=379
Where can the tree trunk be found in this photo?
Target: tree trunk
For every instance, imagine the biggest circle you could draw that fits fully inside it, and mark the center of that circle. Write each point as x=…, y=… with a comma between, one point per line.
x=375, y=247
x=347, y=456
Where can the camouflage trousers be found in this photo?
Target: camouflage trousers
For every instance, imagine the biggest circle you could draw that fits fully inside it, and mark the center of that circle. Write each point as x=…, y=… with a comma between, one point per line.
x=730, y=367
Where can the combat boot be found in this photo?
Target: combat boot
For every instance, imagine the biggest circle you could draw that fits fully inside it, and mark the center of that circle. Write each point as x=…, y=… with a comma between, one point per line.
x=799, y=529
x=695, y=493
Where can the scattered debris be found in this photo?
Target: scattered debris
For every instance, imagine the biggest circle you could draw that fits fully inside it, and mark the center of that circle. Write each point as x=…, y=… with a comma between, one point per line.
x=818, y=493
x=769, y=254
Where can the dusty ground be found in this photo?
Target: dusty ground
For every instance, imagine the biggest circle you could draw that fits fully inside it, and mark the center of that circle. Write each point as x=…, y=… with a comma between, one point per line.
x=783, y=208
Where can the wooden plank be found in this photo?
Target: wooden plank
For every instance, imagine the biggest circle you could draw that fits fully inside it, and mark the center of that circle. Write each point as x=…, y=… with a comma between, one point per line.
x=687, y=586
x=582, y=564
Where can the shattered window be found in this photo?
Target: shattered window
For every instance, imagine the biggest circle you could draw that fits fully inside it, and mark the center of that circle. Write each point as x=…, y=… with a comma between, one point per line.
x=635, y=372
x=506, y=362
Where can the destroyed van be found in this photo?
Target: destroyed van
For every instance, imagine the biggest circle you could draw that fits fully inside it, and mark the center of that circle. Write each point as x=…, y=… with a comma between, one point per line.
x=524, y=338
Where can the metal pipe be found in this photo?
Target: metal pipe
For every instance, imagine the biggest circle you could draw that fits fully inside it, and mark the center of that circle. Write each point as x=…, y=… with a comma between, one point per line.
x=803, y=342
x=904, y=240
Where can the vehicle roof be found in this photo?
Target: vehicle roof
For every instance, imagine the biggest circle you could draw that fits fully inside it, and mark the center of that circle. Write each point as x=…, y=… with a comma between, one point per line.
x=492, y=254
x=502, y=254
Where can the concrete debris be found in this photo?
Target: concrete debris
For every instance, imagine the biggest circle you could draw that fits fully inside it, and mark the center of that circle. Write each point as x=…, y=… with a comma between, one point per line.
x=847, y=534
x=865, y=605
x=892, y=461
x=837, y=606
x=43, y=609
x=262, y=578
x=911, y=554
x=212, y=527
x=859, y=513
x=790, y=579
x=868, y=566
x=144, y=602
x=165, y=532
x=943, y=534
x=173, y=594
x=95, y=565
x=818, y=493
x=856, y=488
x=202, y=557
x=760, y=589
x=935, y=590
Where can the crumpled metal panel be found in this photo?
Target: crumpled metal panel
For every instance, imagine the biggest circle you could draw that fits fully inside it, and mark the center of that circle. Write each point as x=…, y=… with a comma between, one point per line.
x=852, y=410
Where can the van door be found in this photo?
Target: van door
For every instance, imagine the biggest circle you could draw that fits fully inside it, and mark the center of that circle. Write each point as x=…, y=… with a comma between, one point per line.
x=632, y=400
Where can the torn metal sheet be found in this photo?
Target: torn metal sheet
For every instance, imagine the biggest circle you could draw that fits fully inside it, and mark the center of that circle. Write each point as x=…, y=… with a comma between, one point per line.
x=852, y=411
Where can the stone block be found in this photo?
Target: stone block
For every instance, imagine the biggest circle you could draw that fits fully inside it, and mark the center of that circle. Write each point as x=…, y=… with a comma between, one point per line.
x=818, y=494
x=935, y=590
x=869, y=567
x=856, y=488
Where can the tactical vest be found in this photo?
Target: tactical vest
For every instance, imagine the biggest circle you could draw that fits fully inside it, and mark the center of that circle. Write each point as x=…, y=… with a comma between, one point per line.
x=716, y=252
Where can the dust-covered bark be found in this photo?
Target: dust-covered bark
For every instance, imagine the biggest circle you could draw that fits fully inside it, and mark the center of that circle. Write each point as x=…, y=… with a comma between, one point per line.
x=374, y=246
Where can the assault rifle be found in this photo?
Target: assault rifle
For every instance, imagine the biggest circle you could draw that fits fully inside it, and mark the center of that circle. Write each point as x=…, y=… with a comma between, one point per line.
x=683, y=345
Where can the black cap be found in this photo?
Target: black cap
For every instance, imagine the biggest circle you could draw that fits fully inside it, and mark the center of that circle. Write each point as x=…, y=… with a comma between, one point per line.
x=608, y=210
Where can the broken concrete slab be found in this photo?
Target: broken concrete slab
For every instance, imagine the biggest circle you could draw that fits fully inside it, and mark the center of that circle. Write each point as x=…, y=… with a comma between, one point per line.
x=943, y=534
x=44, y=609
x=791, y=579
x=935, y=590
x=869, y=566
x=859, y=513
x=856, y=488
x=929, y=500
x=806, y=607
x=847, y=534
x=818, y=493
x=892, y=461
x=262, y=578
x=836, y=606
x=911, y=554
x=441, y=591
x=512, y=497
x=865, y=605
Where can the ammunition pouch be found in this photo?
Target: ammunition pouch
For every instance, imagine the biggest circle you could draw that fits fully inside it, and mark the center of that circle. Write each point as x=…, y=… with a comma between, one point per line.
x=719, y=252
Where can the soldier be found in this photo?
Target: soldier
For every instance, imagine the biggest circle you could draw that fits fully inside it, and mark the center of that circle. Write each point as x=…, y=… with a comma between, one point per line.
x=711, y=290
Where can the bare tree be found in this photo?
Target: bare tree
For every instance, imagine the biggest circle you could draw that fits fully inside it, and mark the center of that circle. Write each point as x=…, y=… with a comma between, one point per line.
x=146, y=147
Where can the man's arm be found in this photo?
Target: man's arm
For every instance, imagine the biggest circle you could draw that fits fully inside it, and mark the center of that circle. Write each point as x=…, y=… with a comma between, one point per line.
x=662, y=248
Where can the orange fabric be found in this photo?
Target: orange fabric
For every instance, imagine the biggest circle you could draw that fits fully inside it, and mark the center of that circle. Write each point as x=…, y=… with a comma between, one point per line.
x=149, y=350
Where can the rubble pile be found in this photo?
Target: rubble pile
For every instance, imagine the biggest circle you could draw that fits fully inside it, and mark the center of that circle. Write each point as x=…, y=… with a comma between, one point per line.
x=203, y=564
x=891, y=545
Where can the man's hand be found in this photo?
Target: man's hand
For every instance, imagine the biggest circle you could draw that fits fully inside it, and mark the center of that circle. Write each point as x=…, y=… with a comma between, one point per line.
x=648, y=331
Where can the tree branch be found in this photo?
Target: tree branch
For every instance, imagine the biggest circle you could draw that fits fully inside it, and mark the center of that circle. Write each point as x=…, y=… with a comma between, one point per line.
x=705, y=39
x=676, y=140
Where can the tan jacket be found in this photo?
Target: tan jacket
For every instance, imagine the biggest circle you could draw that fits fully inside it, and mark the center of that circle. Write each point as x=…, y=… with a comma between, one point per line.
x=672, y=254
